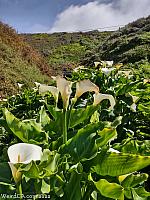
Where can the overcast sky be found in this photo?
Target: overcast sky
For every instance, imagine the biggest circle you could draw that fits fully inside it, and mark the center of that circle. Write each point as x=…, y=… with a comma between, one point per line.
x=32, y=16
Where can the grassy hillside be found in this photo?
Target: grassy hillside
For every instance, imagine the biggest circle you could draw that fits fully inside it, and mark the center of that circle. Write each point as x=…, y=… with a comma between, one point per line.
x=18, y=62
x=66, y=50
x=129, y=44
x=58, y=52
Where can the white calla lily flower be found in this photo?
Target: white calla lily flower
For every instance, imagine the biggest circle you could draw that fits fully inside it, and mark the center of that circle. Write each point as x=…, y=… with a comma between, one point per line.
x=22, y=153
x=78, y=68
x=46, y=88
x=37, y=84
x=133, y=107
x=126, y=73
x=107, y=63
x=107, y=71
x=20, y=85
x=85, y=86
x=113, y=150
x=100, y=97
x=64, y=88
x=134, y=100
x=97, y=63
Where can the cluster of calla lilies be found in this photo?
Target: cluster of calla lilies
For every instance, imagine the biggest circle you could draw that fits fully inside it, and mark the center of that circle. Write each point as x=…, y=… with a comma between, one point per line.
x=106, y=67
x=25, y=153
x=64, y=87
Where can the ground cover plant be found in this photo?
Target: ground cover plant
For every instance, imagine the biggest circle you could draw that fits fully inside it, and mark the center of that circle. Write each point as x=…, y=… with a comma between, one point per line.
x=90, y=133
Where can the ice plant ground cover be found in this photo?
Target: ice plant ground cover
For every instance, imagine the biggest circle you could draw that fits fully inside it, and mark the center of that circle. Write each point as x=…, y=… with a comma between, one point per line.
x=84, y=137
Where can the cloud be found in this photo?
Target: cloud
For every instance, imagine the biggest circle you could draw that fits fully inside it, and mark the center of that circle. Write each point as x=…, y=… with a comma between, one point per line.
x=94, y=15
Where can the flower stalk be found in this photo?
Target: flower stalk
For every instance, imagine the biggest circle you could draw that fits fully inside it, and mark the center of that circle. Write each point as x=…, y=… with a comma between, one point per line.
x=64, y=126
x=19, y=190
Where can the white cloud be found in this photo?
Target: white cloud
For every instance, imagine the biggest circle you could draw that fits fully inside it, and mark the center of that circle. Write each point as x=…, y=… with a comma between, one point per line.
x=95, y=15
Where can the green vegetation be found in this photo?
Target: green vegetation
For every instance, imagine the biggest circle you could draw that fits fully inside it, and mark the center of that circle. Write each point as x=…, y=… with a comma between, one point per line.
x=66, y=50
x=85, y=137
x=95, y=140
x=129, y=44
x=18, y=63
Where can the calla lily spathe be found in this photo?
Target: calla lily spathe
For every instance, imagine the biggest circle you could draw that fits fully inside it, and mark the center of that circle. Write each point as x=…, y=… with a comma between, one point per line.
x=20, y=85
x=46, y=88
x=79, y=68
x=85, y=86
x=126, y=73
x=64, y=88
x=107, y=71
x=134, y=106
x=107, y=63
x=22, y=153
x=97, y=63
x=100, y=97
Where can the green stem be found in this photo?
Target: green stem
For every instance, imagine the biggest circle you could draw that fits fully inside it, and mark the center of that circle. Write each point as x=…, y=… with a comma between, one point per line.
x=88, y=192
x=69, y=113
x=64, y=126
x=19, y=190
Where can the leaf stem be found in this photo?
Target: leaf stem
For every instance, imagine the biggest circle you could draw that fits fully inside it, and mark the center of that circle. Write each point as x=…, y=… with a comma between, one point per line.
x=64, y=126
x=19, y=190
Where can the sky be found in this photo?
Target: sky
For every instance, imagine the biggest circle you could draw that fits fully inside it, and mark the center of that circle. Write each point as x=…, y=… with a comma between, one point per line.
x=39, y=16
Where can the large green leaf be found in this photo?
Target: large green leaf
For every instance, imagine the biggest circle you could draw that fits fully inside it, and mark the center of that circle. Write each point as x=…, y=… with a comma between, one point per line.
x=5, y=173
x=43, y=117
x=110, y=190
x=135, y=147
x=133, y=180
x=136, y=196
x=125, y=88
x=83, y=144
x=55, y=112
x=55, y=125
x=79, y=115
x=45, y=188
x=30, y=170
x=106, y=134
x=142, y=192
x=28, y=130
x=73, y=187
x=116, y=164
x=49, y=163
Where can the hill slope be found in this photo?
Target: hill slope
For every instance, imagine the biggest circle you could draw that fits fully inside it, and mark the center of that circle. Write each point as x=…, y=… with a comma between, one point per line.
x=66, y=50
x=129, y=44
x=18, y=62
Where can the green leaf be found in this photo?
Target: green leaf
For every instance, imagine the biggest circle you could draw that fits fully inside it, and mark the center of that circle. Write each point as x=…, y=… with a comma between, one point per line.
x=83, y=145
x=27, y=130
x=133, y=180
x=5, y=173
x=55, y=112
x=106, y=134
x=125, y=88
x=116, y=164
x=81, y=114
x=49, y=163
x=30, y=170
x=45, y=188
x=136, y=196
x=43, y=117
x=142, y=192
x=73, y=187
x=110, y=190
